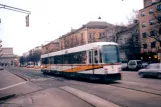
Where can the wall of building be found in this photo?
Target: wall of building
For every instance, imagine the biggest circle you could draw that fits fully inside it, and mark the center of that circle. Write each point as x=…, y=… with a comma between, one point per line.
x=145, y=19
x=95, y=34
x=7, y=51
x=129, y=43
x=7, y=56
x=149, y=2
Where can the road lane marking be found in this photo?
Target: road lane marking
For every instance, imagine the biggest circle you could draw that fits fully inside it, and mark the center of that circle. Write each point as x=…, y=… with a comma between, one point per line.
x=1, y=89
x=90, y=98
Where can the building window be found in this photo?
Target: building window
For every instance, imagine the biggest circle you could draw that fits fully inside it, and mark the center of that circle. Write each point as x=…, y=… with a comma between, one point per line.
x=160, y=44
x=152, y=33
x=160, y=31
x=159, y=18
x=144, y=35
x=151, y=11
x=143, y=25
x=152, y=22
x=153, y=44
x=159, y=7
x=125, y=40
x=101, y=34
x=144, y=46
x=137, y=39
x=92, y=35
x=143, y=14
x=153, y=1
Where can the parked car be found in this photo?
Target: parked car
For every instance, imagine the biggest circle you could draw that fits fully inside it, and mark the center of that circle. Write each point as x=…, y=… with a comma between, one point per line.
x=135, y=64
x=30, y=66
x=22, y=65
x=36, y=67
x=151, y=70
x=144, y=64
x=124, y=66
x=1, y=68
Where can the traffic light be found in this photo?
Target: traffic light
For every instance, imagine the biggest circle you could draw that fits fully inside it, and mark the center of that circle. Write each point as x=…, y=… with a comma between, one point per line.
x=27, y=21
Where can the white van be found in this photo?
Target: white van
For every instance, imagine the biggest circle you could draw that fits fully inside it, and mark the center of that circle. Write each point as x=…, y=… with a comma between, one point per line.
x=135, y=64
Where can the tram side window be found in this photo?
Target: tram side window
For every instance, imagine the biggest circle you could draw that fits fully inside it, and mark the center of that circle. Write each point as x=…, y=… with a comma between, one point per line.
x=90, y=56
x=66, y=59
x=100, y=57
x=44, y=60
x=79, y=57
x=51, y=60
x=84, y=57
x=96, y=56
x=58, y=59
x=70, y=59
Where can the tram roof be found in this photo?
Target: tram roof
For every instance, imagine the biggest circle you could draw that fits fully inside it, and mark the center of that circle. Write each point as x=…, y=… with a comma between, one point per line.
x=85, y=47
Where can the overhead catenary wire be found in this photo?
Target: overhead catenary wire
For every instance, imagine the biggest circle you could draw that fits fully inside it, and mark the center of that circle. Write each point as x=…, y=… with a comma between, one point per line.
x=15, y=9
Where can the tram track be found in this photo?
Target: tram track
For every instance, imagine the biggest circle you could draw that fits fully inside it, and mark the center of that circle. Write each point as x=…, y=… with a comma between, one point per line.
x=138, y=88
x=120, y=84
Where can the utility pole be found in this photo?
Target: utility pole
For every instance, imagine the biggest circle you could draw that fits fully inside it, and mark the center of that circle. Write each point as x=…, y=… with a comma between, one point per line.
x=17, y=10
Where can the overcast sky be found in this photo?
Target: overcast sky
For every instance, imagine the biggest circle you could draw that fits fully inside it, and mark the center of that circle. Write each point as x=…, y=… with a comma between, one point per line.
x=50, y=19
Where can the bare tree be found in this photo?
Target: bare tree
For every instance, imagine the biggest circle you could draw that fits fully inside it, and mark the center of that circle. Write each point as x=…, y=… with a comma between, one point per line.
x=111, y=33
x=134, y=16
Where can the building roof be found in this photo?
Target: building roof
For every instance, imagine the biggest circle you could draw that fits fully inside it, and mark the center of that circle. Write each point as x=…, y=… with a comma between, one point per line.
x=8, y=56
x=128, y=28
x=91, y=24
x=97, y=24
x=56, y=41
x=150, y=5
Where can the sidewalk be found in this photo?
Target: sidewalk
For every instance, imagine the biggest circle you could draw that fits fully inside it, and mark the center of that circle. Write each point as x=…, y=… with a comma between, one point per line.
x=12, y=85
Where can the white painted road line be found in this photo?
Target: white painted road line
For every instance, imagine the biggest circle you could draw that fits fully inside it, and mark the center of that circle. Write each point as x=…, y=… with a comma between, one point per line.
x=1, y=89
x=92, y=99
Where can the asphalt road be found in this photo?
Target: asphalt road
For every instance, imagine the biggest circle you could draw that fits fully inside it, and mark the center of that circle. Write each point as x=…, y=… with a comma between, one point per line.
x=48, y=91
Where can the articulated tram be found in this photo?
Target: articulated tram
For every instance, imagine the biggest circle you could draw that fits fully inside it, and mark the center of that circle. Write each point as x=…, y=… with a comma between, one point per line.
x=95, y=60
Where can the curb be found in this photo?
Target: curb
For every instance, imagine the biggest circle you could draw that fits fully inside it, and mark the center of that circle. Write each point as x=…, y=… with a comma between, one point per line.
x=24, y=78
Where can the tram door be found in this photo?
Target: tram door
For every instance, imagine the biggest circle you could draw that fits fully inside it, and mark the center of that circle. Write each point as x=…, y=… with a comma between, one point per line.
x=93, y=58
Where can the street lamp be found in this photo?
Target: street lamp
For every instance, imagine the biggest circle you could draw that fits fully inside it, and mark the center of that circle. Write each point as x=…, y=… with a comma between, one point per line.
x=150, y=59
x=142, y=58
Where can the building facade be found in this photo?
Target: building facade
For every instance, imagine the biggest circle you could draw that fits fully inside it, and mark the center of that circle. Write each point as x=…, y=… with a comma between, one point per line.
x=7, y=57
x=93, y=31
x=150, y=29
x=51, y=47
x=129, y=42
